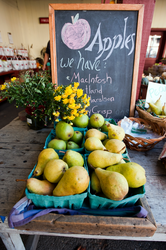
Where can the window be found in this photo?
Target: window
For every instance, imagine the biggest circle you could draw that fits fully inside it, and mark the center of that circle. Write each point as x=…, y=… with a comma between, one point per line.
x=153, y=46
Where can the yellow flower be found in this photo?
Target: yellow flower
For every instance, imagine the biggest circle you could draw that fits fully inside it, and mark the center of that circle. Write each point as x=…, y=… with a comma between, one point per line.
x=57, y=120
x=56, y=113
x=76, y=84
x=74, y=112
x=57, y=98
x=13, y=79
x=65, y=101
x=68, y=91
x=72, y=96
x=71, y=117
x=86, y=112
x=71, y=101
x=85, y=96
x=71, y=106
x=64, y=96
x=3, y=87
x=82, y=111
x=78, y=106
x=76, y=115
x=79, y=92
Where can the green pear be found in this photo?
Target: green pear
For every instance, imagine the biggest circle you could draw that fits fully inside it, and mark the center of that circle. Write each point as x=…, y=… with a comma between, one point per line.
x=71, y=145
x=77, y=137
x=113, y=184
x=64, y=130
x=73, y=158
x=158, y=103
x=57, y=144
x=115, y=132
x=74, y=181
x=95, y=133
x=133, y=172
x=81, y=121
x=105, y=141
x=104, y=128
x=45, y=155
x=103, y=159
x=155, y=109
x=42, y=187
x=115, y=146
x=54, y=170
x=96, y=120
x=164, y=109
x=95, y=183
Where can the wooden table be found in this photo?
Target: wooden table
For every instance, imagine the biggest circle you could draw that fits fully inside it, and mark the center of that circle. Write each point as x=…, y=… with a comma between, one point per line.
x=19, y=149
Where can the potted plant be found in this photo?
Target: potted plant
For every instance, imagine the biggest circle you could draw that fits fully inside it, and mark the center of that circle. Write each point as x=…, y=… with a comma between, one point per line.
x=35, y=92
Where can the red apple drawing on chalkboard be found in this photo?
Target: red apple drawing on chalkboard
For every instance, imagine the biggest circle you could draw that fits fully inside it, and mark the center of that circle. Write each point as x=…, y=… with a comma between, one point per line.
x=76, y=34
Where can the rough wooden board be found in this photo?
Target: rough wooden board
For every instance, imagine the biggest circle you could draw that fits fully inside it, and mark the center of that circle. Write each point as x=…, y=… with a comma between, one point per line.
x=94, y=225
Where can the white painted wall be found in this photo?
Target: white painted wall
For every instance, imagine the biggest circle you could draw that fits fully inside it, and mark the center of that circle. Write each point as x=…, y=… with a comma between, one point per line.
x=159, y=16
x=21, y=19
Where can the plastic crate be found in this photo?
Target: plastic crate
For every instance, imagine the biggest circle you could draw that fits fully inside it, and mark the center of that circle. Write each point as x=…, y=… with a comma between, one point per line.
x=46, y=201
x=52, y=135
x=98, y=202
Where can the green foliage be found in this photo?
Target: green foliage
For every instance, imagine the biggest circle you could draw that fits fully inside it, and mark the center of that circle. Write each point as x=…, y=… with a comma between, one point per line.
x=34, y=92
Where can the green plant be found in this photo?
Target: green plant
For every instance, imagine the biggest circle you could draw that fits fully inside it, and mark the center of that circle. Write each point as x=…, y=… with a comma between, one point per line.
x=33, y=91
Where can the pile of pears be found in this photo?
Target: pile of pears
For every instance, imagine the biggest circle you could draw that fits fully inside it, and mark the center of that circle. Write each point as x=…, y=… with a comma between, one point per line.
x=59, y=177
x=157, y=108
x=111, y=176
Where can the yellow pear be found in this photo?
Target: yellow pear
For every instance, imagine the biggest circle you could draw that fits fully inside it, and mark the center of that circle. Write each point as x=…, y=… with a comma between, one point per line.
x=115, y=146
x=133, y=172
x=155, y=109
x=164, y=109
x=95, y=183
x=54, y=170
x=158, y=103
x=74, y=181
x=93, y=143
x=115, y=132
x=103, y=159
x=73, y=158
x=113, y=184
x=95, y=133
x=42, y=187
x=44, y=156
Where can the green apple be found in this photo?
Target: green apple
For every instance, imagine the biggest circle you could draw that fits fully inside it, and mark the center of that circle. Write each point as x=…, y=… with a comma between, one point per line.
x=71, y=145
x=81, y=121
x=57, y=144
x=96, y=120
x=77, y=137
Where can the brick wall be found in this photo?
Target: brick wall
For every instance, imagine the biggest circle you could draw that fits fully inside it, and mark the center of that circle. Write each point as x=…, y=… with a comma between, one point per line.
x=148, y=16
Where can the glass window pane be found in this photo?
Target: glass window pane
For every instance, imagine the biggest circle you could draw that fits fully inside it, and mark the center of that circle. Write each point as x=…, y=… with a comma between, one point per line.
x=153, y=46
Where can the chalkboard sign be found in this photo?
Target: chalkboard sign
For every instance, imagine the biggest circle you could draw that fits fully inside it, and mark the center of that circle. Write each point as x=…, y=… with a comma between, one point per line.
x=98, y=45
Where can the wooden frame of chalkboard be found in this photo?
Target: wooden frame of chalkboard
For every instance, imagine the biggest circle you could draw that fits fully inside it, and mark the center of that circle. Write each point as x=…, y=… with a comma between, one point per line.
x=98, y=45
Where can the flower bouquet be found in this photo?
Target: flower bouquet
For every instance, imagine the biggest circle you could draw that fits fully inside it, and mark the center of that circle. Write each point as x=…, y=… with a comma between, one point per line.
x=70, y=102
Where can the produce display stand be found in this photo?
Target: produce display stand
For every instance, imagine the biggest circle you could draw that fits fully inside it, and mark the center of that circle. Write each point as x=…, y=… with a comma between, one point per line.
x=20, y=147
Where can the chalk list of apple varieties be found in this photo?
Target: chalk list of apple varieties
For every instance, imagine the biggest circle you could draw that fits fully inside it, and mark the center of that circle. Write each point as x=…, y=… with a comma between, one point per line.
x=100, y=57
